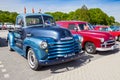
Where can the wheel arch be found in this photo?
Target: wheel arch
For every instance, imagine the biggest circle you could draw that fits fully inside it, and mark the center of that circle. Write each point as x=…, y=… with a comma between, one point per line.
x=26, y=51
x=87, y=42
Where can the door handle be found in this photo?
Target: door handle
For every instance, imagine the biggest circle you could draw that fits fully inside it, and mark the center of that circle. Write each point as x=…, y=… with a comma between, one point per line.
x=29, y=35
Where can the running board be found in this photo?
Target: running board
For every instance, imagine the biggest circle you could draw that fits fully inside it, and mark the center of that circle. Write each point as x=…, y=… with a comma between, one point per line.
x=17, y=49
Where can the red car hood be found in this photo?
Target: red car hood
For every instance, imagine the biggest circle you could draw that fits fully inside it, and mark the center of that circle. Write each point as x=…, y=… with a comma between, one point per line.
x=96, y=34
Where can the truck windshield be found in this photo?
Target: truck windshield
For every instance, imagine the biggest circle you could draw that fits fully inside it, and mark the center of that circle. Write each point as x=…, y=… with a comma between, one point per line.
x=37, y=20
x=34, y=20
x=49, y=21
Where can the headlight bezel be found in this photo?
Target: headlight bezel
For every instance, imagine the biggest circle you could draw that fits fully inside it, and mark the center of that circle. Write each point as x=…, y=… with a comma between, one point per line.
x=102, y=40
x=116, y=37
x=80, y=39
x=43, y=45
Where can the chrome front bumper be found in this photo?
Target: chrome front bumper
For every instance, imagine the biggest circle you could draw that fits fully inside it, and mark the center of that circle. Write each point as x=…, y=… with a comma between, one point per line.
x=116, y=46
x=61, y=60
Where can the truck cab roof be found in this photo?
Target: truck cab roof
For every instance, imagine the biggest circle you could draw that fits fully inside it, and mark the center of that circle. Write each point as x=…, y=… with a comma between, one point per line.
x=34, y=19
x=33, y=14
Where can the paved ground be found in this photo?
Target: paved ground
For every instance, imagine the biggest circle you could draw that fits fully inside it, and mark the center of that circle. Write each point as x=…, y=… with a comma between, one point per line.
x=106, y=68
x=15, y=67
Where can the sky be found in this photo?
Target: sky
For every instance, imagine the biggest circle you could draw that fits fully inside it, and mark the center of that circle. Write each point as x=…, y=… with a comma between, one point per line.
x=110, y=7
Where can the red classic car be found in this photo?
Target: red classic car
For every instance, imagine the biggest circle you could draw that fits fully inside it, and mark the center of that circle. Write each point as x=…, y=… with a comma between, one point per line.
x=93, y=40
x=112, y=31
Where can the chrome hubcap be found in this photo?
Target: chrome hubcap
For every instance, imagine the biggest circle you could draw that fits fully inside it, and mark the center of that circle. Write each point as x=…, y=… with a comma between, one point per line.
x=89, y=48
x=31, y=59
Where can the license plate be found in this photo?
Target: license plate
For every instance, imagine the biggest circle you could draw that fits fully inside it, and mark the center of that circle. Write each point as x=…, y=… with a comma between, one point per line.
x=69, y=55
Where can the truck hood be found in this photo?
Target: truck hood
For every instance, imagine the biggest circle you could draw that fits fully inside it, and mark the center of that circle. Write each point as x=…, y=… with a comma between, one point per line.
x=97, y=34
x=51, y=32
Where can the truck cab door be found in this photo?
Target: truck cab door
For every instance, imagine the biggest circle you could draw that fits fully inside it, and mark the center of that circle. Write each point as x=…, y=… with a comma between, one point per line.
x=18, y=33
x=18, y=39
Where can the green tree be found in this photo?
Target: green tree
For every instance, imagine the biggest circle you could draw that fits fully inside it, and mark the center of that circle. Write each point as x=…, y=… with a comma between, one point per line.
x=71, y=16
x=58, y=15
x=97, y=16
x=111, y=20
x=82, y=14
x=6, y=16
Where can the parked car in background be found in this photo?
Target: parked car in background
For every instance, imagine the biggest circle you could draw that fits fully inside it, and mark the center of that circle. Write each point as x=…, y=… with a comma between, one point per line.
x=38, y=39
x=115, y=31
x=93, y=40
x=9, y=25
x=1, y=26
x=115, y=28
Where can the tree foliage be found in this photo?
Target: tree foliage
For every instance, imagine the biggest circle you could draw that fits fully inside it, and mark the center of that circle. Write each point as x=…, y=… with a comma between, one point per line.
x=6, y=16
x=82, y=14
x=97, y=16
x=93, y=15
x=59, y=15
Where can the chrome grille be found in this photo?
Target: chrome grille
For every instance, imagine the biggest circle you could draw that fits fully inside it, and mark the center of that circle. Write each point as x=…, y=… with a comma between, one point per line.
x=108, y=43
x=63, y=48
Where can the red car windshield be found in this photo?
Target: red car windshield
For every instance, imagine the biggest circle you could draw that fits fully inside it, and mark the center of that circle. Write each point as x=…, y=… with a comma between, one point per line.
x=85, y=26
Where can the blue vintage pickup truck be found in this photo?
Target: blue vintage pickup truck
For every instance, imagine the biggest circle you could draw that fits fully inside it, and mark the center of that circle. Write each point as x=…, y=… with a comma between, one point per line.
x=41, y=42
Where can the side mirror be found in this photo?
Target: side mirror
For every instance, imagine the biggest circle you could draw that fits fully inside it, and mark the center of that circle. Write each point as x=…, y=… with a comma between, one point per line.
x=48, y=23
x=100, y=29
x=76, y=29
x=28, y=35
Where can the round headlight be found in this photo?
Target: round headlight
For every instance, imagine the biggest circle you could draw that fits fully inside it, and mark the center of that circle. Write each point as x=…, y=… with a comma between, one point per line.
x=43, y=45
x=116, y=37
x=102, y=39
x=80, y=38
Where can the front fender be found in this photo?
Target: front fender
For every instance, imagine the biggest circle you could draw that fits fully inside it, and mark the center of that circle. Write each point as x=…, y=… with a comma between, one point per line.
x=94, y=40
x=34, y=43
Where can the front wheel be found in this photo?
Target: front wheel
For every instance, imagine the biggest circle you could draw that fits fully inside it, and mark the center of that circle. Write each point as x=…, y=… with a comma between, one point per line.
x=32, y=61
x=90, y=48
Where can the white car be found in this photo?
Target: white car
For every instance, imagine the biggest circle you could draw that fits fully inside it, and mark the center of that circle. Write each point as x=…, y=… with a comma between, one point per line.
x=8, y=25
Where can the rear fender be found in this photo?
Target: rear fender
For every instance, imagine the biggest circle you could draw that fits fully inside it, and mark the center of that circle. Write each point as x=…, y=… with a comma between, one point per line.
x=10, y=38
